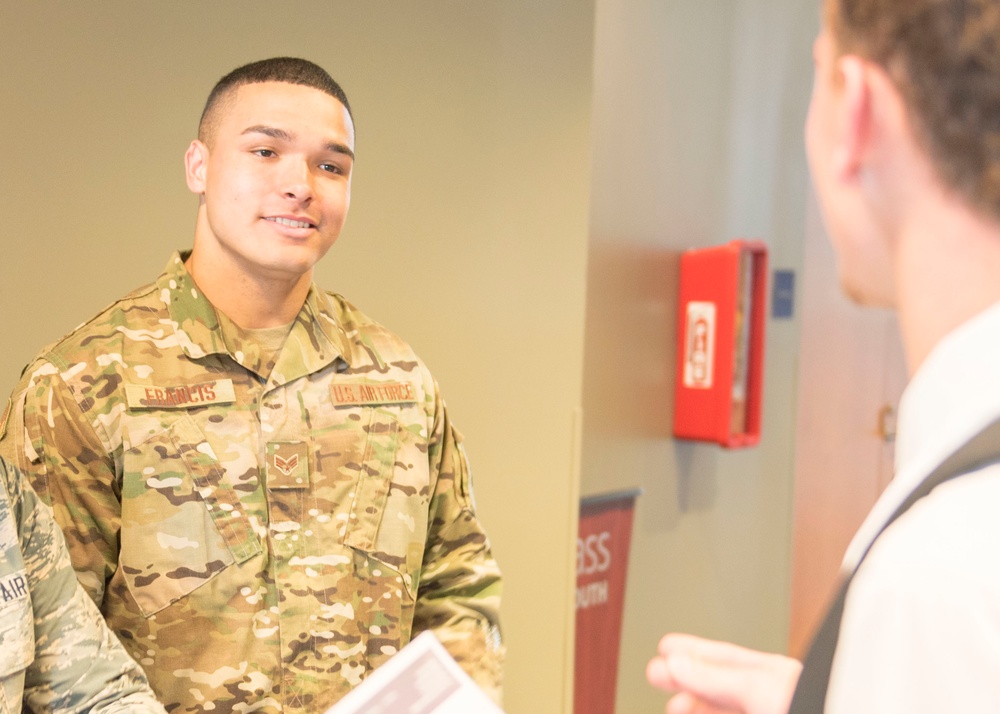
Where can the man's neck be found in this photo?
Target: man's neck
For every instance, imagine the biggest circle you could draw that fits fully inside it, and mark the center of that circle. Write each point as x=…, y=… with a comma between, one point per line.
x=947, y=271
x=250, y=303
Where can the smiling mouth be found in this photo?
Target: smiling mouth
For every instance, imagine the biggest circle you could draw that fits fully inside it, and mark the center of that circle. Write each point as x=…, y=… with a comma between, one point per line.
x=290, y=222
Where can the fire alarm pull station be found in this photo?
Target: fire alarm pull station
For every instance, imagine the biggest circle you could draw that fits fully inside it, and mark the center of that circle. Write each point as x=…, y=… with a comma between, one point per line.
x=720, y=350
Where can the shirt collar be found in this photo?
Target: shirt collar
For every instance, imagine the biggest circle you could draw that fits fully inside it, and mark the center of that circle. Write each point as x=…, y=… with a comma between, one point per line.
x=318, y=335
x=954, y=394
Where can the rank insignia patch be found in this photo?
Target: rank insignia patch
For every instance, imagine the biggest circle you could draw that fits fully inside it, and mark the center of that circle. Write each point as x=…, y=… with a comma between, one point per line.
x=287, y=464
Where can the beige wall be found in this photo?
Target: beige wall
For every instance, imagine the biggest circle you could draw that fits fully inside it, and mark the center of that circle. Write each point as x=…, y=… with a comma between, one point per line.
x=528, y=173
x=467, y=234
x=697, y=126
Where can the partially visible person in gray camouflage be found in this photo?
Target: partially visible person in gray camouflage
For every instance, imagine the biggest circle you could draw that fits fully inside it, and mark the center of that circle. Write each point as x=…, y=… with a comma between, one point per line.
x=259, y=485
x=56, y=652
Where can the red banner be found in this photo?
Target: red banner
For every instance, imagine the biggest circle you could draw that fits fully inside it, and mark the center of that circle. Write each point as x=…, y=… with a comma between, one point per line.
x=602, y=549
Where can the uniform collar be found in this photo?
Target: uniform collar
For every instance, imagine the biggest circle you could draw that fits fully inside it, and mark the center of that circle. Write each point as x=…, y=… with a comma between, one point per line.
x=317, y=337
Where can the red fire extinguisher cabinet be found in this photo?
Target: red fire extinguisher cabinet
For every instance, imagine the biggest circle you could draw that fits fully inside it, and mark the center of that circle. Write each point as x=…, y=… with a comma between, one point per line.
x=720, y=346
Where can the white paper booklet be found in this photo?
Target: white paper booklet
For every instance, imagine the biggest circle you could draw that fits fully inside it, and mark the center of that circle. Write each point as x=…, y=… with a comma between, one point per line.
x=422, y=678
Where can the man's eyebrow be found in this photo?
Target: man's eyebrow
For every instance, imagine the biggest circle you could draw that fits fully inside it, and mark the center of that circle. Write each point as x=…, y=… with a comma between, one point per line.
x=270, y=131
x=335, y=147
x=338, y=148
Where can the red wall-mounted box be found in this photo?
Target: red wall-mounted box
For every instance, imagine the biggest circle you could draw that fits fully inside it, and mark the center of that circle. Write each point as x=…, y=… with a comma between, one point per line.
x=720, y=343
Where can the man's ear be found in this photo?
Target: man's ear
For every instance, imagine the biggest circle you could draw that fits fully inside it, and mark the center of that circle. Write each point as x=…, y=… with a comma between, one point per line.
x=195, y=166
x=856, y=115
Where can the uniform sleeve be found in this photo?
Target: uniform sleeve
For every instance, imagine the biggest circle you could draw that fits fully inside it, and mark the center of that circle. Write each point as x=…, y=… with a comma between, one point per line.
x=79, y=665
x=459, y=594
x=69, y=466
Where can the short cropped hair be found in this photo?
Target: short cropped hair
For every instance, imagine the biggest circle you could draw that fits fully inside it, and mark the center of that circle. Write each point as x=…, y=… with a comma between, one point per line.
x=292, y=70
x=944, y=57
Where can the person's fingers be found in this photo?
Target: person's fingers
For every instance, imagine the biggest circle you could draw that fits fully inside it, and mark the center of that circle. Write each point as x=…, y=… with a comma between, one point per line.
x=687, y=704
x=658, y=674
x=682, y=704
x=715, y=677
x=710, y=650
x=723, y=685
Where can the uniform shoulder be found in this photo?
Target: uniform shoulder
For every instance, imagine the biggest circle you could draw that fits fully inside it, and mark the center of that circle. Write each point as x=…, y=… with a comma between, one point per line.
x=8, y=474
x=350, y=314
x=100, y=327
x=354, y=320
x=12, y=485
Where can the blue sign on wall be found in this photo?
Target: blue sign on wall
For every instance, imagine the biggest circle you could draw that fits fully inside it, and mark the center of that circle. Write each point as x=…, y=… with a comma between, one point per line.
x=783, y=294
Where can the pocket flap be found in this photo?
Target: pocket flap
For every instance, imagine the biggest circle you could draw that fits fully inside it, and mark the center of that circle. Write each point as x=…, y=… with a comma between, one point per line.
x=182, y=521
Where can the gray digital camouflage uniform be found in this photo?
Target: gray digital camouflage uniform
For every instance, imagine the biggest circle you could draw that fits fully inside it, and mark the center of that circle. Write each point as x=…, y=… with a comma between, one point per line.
x=284, y=527
x=56, y=653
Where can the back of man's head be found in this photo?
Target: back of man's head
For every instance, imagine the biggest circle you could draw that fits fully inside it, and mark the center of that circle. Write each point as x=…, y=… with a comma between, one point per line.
x=276, y=69
x=944, y=57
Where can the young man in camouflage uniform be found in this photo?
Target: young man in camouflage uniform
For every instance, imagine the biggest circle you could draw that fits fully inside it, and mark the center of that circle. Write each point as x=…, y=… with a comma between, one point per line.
x=258, y=484
x=56, y=652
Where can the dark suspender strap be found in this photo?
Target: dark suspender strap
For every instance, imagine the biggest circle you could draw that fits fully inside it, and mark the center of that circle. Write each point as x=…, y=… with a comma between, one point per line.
x=810, y=693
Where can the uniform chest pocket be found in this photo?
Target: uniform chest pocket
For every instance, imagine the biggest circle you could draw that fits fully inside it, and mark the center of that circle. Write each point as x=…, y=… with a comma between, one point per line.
x=373, y=473
x=378, y=439
x=17, y=638
x=182, y=522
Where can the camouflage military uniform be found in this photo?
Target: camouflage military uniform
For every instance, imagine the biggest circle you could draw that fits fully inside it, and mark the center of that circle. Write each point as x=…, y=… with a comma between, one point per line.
x=56, y=653
x=284, y=527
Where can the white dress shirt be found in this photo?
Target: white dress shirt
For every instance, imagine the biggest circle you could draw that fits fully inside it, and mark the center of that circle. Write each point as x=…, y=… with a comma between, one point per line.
x=921, y=626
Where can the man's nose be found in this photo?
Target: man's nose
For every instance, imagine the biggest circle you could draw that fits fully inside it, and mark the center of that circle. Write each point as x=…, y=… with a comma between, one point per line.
x=297, y=181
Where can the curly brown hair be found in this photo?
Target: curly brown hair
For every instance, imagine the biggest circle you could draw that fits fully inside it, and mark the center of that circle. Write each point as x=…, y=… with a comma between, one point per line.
x=944, y=57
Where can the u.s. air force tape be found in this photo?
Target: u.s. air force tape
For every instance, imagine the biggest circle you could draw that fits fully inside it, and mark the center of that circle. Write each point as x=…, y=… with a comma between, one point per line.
x=181, y=396
x=361, y=393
